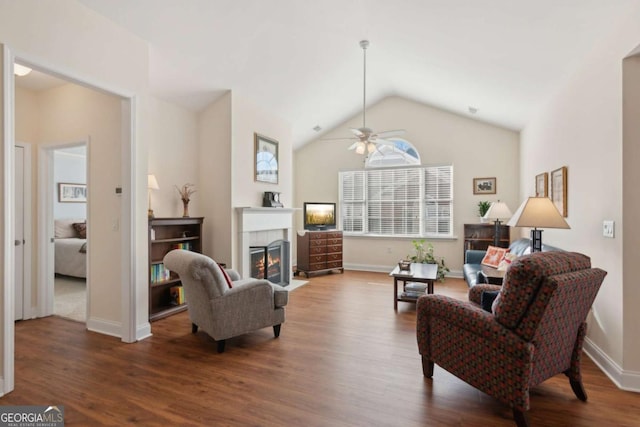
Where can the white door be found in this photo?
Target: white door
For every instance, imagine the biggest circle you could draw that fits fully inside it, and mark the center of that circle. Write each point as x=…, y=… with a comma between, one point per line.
x=19, y=232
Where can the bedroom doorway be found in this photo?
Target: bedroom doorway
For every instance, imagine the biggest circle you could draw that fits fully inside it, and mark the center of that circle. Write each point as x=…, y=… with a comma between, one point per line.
x=69, y=208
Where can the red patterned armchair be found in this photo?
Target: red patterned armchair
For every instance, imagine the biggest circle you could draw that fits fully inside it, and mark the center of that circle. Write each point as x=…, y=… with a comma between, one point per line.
x=536, y=330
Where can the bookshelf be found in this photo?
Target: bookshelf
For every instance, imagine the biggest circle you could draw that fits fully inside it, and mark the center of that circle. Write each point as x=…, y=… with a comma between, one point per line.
x=166, y=234
x=480, y=236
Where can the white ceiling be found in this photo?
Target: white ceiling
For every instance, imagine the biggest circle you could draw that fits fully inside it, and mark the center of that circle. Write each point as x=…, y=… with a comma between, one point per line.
x=301, y=58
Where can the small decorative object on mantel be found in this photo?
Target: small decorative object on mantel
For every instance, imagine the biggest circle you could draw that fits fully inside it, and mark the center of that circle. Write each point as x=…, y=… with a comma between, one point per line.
x=185, y=193
x=271, y=199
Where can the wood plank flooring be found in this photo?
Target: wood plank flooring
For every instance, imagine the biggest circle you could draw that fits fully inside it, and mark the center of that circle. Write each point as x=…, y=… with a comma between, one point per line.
x=344, y=358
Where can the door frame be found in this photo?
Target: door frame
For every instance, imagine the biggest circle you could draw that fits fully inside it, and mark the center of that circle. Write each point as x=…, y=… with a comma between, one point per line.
x=133, y=327
x=46, y=251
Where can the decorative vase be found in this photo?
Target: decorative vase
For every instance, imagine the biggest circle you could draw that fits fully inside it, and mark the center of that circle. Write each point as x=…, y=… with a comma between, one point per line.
x=185, y=206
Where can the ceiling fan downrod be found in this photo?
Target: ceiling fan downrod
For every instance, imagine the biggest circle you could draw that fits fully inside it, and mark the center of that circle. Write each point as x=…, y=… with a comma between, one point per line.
x=364, y=44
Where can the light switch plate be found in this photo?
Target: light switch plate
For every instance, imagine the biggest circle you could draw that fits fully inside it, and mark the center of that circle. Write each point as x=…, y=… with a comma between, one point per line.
x=608, y=228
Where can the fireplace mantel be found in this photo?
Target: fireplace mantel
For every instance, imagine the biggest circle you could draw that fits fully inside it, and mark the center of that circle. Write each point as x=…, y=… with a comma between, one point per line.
x=255, y=222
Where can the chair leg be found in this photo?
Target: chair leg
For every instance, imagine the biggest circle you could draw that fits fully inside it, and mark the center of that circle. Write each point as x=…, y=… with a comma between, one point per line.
x=194, y=328
x=520, y=418
x=221, y=344
x=427, y=367
x=276, y=330
x=578, y=389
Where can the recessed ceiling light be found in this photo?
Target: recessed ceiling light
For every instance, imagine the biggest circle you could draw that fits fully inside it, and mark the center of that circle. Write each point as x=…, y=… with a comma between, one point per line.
x=472, y=110
x=317, y=128
x=21, y=70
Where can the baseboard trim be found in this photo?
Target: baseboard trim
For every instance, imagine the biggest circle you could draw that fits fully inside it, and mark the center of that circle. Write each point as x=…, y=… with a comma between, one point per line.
x=625, y=380
x=106, y=327
x=143, y=331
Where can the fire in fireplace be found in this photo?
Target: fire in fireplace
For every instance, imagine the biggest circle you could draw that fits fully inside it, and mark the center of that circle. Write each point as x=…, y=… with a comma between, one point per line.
x=271, y=262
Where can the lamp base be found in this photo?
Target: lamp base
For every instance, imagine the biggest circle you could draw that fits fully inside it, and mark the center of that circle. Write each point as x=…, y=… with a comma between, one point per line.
x=536, y=240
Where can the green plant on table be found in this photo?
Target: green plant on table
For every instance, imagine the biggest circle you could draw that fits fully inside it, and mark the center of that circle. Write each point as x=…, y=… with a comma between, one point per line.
x=483, y=207
x=424, y=255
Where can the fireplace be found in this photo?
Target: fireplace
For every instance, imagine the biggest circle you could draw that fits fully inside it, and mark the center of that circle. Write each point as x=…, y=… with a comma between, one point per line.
x=271, y=262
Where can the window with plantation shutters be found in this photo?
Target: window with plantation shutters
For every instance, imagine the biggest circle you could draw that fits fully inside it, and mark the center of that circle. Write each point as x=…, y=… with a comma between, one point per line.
x=415, y=201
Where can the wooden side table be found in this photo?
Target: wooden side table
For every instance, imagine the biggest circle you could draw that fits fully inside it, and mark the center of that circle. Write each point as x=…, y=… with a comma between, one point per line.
x=419, y=273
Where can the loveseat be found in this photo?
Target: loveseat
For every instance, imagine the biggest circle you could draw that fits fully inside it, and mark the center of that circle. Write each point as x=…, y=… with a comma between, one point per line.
x=473, y=259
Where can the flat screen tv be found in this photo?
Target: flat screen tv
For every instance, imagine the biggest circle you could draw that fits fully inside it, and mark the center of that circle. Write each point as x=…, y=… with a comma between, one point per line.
x=319, y=216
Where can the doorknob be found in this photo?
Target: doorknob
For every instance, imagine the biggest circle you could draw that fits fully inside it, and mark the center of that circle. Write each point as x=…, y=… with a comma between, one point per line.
x=17, y=242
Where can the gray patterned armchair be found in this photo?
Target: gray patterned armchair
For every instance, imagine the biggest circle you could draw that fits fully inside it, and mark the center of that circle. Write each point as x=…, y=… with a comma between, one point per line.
x=221, y=303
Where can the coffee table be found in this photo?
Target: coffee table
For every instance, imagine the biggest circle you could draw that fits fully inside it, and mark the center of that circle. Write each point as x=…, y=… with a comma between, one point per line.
x=419, y=273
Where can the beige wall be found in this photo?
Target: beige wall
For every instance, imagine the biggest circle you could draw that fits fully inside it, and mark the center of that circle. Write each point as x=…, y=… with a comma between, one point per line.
x=215, y=169
x=173, y=158
x=474, y=148
x=581, y=128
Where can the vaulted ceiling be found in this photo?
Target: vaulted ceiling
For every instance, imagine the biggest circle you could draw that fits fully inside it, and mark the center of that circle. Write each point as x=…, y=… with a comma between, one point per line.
x=301, y=58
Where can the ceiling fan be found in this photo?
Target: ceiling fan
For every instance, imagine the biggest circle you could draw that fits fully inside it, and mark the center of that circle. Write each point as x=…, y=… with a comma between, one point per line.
x=366, y=139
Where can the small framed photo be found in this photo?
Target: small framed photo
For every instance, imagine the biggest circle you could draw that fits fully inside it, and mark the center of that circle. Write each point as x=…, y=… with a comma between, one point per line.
x=484, y=186
x=72, y=193
x=559, y=189
x=266, y=159
x=542, y=185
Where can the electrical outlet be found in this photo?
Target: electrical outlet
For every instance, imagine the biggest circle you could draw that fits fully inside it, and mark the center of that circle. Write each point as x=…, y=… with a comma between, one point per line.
x=608, y=228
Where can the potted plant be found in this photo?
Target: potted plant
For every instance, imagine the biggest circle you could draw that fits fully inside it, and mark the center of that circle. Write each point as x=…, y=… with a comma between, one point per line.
x=483, y=207
x=424, y=254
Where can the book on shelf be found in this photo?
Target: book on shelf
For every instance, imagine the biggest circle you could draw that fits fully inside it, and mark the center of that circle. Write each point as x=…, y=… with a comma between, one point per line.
x=159, y=273
x=411, y=294
x=186, y=246
x=415, y=287
x=177, y=295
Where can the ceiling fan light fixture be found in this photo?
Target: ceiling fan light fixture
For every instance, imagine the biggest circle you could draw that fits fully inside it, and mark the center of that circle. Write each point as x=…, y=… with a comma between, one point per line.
x=371, y=147
x=360, y=148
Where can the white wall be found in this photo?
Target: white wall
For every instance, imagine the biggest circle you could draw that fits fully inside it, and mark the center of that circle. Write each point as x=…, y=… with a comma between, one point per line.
x=69, y=167
x=474, y=148
x=581, y=128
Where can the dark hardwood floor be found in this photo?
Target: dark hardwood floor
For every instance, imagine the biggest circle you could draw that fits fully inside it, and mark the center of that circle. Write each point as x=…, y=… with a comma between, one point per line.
x=344, y=358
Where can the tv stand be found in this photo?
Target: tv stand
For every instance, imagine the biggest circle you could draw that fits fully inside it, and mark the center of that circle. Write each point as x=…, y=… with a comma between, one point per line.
x=319, y=251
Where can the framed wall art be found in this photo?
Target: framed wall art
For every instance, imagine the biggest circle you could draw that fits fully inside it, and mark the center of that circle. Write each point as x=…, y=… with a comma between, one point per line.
x=559, y=189
x=72, y=193
x=484, y=186
x=266, y=159
x=542, y=185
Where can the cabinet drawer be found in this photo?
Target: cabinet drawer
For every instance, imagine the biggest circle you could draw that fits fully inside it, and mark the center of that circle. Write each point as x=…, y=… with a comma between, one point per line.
x=334, y=249
x=316, y=259
x=317, y=250
x=334, y=257
x=334, y=235
x=317, y=236
x=316, y=267
x=334, y=264
x=334, y=241
x=318, y=242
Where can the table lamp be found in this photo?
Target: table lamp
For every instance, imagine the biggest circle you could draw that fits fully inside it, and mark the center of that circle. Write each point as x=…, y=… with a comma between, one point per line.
x=152, y=184
x=537, y=212
x=497, y=211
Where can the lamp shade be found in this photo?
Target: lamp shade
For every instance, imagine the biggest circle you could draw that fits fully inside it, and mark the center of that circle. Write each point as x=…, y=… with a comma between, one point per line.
x=538, y=212
x=152, y=182
x=498, y=210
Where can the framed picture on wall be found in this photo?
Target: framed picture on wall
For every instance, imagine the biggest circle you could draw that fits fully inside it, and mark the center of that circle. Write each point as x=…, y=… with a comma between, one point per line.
x=542, y=185
x=72, y=193
x=559, y=189
x=266, y=159
x=484, y=186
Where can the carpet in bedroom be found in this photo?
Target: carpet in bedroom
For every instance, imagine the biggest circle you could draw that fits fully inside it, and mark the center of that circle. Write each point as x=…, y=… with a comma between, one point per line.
x=70, y=298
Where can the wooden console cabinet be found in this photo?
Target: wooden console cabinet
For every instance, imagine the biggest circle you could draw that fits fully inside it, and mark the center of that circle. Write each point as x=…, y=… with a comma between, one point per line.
x=166, y=234
x=319, y=252
x=480, y=236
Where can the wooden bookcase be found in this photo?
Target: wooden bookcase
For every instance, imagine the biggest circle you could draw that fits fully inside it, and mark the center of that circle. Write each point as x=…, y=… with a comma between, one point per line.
x=166, y=234
x=319, y=252
x=480, y=236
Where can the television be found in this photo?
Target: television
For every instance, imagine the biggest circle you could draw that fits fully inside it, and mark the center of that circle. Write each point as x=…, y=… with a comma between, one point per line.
x=319, y=216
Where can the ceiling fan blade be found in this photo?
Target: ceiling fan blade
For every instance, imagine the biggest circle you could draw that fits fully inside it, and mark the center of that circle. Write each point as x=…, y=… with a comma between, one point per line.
x=381, y=141
x=357, y=132
x=353, y=146
x=344, y=138
x=391, y=133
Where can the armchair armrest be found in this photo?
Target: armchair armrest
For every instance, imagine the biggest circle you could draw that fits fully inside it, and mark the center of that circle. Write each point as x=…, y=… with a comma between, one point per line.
x=473, y=256
x=475, y=293
x=233, y=274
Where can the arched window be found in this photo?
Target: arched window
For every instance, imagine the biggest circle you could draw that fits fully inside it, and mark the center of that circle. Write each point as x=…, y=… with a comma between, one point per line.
x=401, y=153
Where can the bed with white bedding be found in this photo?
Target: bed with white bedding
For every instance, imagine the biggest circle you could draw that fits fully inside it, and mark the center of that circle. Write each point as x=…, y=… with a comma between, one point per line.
x=70, y=249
